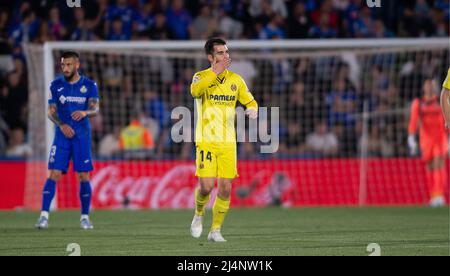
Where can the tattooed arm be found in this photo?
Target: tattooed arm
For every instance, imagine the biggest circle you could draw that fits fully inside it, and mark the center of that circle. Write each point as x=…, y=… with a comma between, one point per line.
x=91, y=112
x=93, y=108
x=53, y=116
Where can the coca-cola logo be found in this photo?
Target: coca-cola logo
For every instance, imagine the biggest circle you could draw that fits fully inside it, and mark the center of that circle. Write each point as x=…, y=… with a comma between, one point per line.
x=174, y=189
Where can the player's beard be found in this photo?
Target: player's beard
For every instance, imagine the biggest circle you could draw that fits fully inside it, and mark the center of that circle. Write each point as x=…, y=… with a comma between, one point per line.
x=70, y=77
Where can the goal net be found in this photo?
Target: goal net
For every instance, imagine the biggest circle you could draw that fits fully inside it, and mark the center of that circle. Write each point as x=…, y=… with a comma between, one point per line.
x=342, y=122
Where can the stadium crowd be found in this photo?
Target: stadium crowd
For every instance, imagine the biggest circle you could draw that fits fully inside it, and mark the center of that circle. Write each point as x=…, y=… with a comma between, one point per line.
x=333, y=132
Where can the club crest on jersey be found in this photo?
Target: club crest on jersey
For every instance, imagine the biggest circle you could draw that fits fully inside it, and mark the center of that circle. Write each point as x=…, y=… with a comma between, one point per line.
x=233, y=87
x=83, y=89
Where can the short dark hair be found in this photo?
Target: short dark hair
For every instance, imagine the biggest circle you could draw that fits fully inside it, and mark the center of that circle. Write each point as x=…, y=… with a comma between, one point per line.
x=209, y=46
x=70, y=54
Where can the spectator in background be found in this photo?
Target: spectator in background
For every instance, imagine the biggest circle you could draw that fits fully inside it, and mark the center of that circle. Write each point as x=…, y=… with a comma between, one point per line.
x=341, y=5
x=109, y=146
x=82, y=30
x=380, y=30
x=322, y=141
x=377, y=145
x=124, y=13
x=146, y=17
x=323, y=30
x=258, y=7
x=179, y=20
x=4, y=93
x=44, y=34
x=228, y=27
x=156, y=109
x=440, y=25
x=274, y=30
x=362, y=24
x=16, y=96
x=379, y=79
x=204, y=24
x=297, y=110
x=442, y=29
x=299, y=23
x=4, y=130
x=4, y=19
x=443, y=5
x=424, y=23
x=326, y=9
x=408, y=24
x=160, y=30
x=310, y=5
x=17, y=147
x=264, y=16
x=135, y=137
x=26, y=30
x=57, y=28
x=293, y=143
x=342, y=105
x=117, y=31
x=245, y=69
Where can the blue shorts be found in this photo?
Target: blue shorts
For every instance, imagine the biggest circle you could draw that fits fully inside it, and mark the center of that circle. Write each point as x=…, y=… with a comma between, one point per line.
x=78, y=149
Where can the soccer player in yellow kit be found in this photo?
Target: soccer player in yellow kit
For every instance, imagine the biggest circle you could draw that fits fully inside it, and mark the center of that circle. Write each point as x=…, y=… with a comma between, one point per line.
x=216, y=92
x=445, y=100
x=445, y=104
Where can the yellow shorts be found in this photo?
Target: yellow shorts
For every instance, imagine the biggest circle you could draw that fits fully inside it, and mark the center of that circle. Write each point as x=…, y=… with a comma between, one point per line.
x=216, y=162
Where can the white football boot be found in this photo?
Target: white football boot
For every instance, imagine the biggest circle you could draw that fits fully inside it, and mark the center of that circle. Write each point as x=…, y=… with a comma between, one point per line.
x=216, y=236
x=197, y=226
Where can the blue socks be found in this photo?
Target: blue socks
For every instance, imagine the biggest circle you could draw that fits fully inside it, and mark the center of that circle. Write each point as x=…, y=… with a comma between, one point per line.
x=48, y=194
x=85, y=197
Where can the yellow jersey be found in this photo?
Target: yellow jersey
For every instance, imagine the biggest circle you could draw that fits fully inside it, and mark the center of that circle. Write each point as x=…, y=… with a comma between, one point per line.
x=216, y=97
x=446, y=84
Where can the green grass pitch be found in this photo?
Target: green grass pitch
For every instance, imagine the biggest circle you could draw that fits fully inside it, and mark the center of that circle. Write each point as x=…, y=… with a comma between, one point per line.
x=254, y=232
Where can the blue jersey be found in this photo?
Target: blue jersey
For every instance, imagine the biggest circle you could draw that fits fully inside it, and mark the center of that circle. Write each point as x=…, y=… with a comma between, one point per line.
x=69, y=98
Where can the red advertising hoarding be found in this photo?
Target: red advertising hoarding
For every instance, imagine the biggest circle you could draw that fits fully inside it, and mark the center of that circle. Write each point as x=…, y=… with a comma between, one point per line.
x=171, y=184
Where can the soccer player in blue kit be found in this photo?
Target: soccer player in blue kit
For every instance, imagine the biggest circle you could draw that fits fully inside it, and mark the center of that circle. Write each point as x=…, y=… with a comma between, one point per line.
x=73, y=100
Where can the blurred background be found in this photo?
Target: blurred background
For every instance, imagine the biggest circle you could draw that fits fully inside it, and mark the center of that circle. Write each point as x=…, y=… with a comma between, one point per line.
x=344, y=108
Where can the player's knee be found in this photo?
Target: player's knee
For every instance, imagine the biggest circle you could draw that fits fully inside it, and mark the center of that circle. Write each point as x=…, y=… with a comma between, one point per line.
x=206, y=186
x=55, y=175
x=205, y=190
x=83, y=177
x=225, y=193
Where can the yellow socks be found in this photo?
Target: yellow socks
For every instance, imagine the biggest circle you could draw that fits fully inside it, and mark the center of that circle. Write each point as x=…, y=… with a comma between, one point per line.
x=220, y=210
x=200, y=203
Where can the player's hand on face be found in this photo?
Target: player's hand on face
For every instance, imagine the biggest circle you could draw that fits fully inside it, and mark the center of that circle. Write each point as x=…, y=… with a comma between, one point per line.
x=220, y=66
x=67, y=131
x=78, y=115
